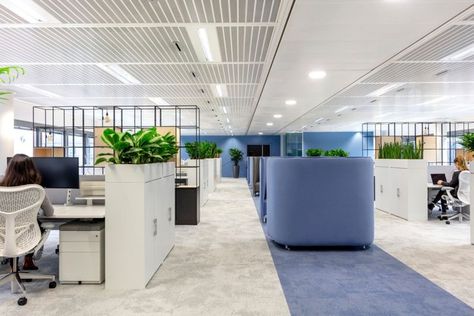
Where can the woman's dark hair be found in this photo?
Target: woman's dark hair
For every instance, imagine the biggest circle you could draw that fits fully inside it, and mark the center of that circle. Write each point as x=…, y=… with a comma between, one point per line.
x=21, y=170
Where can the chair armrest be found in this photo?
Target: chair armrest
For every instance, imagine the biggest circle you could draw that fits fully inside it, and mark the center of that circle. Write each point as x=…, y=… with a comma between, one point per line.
x=447, y=189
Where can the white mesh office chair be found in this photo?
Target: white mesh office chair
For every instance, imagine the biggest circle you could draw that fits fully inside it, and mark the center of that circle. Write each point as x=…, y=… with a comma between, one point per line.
x=463, y=197
x=20, y=233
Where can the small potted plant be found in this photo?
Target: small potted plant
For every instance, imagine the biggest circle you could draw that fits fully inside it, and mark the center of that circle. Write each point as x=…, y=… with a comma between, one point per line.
x=236, y=155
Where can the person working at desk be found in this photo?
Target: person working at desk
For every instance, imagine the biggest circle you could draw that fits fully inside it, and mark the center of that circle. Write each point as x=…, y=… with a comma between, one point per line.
x=460, y=164
x=21, y=170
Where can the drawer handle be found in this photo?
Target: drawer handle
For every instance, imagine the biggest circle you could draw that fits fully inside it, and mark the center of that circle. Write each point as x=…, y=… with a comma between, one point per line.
x=169, y=214
x=155, y=227
x=381, y=188
x=398, y=192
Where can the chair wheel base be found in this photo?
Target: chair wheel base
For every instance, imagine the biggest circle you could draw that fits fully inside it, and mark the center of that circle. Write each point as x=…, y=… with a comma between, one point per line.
x=22, y=301
x=52, y=285
x=448, y=222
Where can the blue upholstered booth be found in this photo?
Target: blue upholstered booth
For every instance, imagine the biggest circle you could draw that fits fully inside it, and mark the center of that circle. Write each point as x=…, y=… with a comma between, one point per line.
x=263, y=189
x=320, y=201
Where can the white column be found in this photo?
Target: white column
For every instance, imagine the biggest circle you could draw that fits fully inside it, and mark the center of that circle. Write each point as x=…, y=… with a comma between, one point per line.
x=6, y=131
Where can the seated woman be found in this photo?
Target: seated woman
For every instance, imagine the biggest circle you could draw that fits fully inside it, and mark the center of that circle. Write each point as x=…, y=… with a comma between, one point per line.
x=21, y=170
x=460, y=164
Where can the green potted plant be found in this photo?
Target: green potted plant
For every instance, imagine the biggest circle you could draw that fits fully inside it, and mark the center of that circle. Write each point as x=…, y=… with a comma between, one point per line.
x=218, y=152
x=467, y=142
x=142, y=147
x=314, y=152
x=236, y=155
x=338, y=152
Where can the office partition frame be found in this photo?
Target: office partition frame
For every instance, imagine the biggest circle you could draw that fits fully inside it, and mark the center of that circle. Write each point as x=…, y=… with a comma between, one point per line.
x=440, y=139
x=74, y=129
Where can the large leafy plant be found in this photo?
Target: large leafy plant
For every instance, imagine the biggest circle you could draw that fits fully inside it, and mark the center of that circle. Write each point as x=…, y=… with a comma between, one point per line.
x=400, y=151
x=236, y=155
x=467, y=141
x=7, y=75
x=142, y=147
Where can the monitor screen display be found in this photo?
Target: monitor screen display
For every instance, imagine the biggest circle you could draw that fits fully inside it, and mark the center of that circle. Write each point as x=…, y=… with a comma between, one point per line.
x=58, y=173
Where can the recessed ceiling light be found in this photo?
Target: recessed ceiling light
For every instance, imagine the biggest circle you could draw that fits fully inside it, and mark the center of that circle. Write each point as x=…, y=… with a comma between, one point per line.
x=461, y=54
x=224, y=109
x=205, y=42
x=317, y=74
x=219, y=90
x=260, y=133
x=227, y=119
x=435, y=100
x=385, y=89
x=119, y=73
x=341, y=109
x=290, y=102
x=158, y=101
x=277, y=116
x=30, y=11
x=270, y=124
x=29, y=87
x=319, y=120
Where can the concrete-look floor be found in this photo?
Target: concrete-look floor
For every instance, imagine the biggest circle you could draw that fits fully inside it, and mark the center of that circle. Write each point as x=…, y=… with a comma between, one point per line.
x=223, y=266
x=442, y=253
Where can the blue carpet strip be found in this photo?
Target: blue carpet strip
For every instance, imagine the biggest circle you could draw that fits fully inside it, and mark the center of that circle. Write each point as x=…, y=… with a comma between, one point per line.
x=327, y=281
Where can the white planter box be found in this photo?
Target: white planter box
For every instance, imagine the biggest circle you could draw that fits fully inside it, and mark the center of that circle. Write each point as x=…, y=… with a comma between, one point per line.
x=211, y=175
x=472, y=201
x=139, y=222
x=400, y=188
x=218, y=163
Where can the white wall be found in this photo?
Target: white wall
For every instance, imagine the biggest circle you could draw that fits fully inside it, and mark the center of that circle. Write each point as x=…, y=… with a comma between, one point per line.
x=6, y=132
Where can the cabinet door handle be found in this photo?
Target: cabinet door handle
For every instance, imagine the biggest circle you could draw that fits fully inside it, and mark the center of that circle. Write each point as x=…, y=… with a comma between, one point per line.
x=155, y=227
x=398, y=192
x=169, y=214
x=381, y=188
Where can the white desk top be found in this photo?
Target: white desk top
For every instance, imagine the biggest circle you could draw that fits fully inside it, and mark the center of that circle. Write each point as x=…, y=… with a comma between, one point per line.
x=76, y=212
x=434, y=186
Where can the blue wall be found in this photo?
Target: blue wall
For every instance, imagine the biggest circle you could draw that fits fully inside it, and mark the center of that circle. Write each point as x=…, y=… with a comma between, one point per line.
x=240, y=142
x=349, y=141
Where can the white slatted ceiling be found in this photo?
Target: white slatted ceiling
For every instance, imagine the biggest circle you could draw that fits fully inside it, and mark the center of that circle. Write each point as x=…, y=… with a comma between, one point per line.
x=453, y=39
x=162, y=11
x=142, y=91
x=65, y=74
x=95, y=45
x=205, y=73
x=8, y=17
x=424, y=72
x=61, y=59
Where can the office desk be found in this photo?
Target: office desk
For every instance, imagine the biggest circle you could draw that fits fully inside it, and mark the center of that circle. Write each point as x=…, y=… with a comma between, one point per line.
x=62, y=212
x=434, y=186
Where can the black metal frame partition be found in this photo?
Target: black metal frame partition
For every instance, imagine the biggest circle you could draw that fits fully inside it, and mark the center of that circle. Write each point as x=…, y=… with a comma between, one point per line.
x=440, y=139
x=73, y=129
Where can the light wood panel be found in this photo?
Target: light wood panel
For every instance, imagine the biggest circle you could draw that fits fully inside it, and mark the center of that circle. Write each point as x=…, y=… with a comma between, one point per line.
x=48, y=152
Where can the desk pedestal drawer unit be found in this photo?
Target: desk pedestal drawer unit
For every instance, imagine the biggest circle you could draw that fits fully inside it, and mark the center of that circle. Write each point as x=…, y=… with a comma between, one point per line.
x=400, y=188
x=81, y=256
x=140, y=221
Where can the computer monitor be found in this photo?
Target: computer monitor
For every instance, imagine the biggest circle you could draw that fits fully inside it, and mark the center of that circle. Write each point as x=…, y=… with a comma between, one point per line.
x=57, y=172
